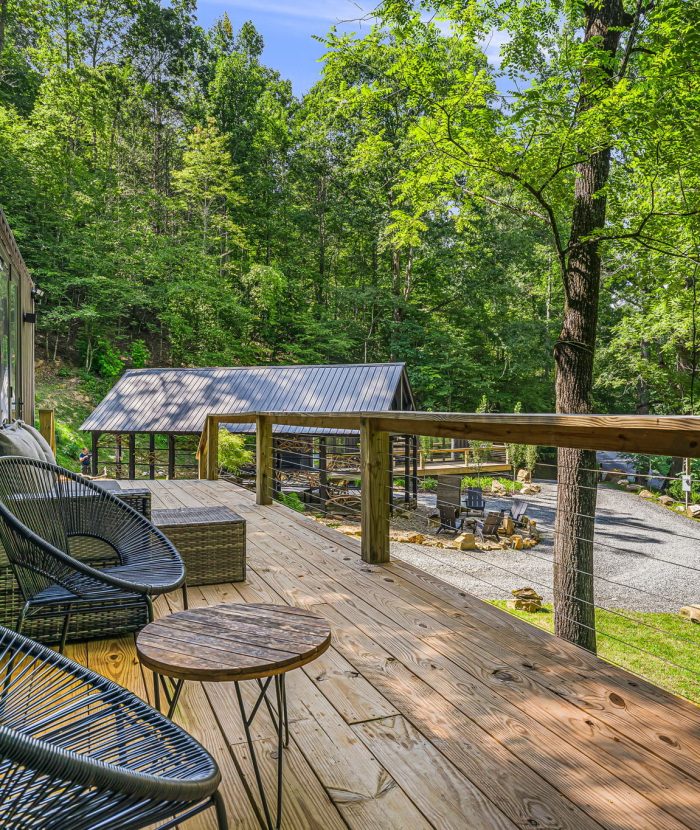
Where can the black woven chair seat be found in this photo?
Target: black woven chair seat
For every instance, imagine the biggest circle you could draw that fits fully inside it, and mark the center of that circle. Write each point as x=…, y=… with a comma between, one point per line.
x=101, y=593
x=78, y=751
x=46, y=510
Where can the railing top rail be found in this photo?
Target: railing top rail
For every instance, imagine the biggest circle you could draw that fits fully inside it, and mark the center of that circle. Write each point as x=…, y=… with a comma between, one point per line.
x=677, y=435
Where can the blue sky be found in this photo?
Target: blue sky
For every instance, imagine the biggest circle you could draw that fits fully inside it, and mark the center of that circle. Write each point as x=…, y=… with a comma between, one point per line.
x=287, y=29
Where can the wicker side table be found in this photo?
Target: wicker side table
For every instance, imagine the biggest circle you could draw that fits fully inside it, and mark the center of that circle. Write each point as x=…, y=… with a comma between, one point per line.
x=211, y=541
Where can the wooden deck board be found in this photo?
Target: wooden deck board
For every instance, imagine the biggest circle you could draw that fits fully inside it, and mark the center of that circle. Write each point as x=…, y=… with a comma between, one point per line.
x=432, y=708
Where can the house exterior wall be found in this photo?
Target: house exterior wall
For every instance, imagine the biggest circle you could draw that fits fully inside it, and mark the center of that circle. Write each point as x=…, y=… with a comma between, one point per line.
x=16, y=333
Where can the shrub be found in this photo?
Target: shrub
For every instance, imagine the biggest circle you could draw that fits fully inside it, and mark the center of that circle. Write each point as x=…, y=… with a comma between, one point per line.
x=428, y=484
x=106, y=360
x=675, y=490
x=485, y=483
x=232, y=452
x=292, y=501
x=140, y=354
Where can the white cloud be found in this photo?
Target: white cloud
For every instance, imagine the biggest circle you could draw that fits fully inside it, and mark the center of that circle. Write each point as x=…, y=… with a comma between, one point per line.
x=330, y=10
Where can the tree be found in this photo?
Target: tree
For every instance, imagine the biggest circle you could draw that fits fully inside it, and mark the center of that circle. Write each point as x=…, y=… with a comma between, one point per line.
x=573, y=105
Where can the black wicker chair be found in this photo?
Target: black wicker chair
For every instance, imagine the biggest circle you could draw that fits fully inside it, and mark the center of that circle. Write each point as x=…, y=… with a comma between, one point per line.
x=76, y=548
x=79, y=752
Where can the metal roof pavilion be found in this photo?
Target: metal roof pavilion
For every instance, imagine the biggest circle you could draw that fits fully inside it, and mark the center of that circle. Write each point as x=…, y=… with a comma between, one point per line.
x=177, y=401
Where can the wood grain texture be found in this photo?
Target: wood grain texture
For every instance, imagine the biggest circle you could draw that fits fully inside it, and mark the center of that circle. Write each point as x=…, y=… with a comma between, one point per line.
x=430, y=708
x=668, y=435
x=263, y=460
x=232, y=642
x=376, y=482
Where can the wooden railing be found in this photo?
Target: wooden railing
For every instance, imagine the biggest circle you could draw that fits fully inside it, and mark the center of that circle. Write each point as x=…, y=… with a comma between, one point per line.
x=673, y=436
x=47, y=427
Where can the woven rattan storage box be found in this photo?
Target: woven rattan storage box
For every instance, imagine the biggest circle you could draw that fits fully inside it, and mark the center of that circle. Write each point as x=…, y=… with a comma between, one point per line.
x=211, y=541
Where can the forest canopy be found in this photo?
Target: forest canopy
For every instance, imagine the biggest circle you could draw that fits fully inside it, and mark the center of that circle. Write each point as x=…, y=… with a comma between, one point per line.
x=179, y=205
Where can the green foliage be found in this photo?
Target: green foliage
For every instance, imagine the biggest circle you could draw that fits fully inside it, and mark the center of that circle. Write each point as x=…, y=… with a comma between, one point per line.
x=675, y=490
x=232, y=451
x=428, y=484
x=292, y=501
x=140, y=354
x=180, y=206
x=485, y=483
x=106, y=360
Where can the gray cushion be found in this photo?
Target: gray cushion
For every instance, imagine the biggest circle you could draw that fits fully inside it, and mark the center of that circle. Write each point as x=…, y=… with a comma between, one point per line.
x=41, y=441
x=16, y=440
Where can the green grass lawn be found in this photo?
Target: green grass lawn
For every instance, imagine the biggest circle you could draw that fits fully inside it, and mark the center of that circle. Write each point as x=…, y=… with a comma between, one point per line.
x=630, y=642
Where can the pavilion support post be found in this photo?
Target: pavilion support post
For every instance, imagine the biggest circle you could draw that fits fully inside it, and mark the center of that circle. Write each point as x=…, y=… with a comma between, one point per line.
x=151, y=456
x=132, y=455
x=263, y=460
x=47, y=427
x=323, y=469
x=375, y=463
x=211, y=451
x=407, y=469
x=171, y=457
x=118, y=456
x=202, y=451
x=276, y=469
x=95, y=452
x=414, y=465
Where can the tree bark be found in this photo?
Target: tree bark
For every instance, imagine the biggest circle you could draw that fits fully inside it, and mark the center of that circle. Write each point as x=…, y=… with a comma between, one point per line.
x=574, y=611
x=3, y=23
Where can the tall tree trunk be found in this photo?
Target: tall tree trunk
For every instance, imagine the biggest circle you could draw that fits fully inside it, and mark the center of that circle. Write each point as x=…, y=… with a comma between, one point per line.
x=3, y=22
x=574, y=615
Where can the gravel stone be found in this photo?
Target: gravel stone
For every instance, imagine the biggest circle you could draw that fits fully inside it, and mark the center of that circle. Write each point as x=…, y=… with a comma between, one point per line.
x=647, y=558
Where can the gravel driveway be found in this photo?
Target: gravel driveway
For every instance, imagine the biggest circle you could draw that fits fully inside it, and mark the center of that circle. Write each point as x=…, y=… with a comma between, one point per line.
x=646, y=557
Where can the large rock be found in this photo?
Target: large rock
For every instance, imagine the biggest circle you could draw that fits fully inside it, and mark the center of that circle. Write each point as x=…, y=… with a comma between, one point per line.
x=524, y=475
x=646, y=494
x=408, y=537
x=530, y=490
x=634, y=488
x=498, y=488
x=694, y=511
x=691, y=612
x=525, y=599
x=508, y=526
x=666, y=500
x=465, y=541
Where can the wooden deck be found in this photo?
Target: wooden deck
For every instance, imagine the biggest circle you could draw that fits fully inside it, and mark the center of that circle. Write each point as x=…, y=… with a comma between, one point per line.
x=432, y=708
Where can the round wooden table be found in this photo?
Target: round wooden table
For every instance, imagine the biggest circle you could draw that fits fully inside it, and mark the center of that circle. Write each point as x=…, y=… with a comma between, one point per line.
x=236, y=642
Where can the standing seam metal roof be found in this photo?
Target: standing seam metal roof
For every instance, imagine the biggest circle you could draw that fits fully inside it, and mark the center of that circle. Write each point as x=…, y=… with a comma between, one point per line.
x=178, y=400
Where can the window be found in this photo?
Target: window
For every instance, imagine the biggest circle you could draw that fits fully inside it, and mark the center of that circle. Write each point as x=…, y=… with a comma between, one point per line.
x=5, y=383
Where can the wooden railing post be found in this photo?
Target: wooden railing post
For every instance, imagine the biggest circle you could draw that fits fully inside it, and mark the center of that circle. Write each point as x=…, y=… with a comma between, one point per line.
x=47, y=427
x=263, y=460
x=375, y=494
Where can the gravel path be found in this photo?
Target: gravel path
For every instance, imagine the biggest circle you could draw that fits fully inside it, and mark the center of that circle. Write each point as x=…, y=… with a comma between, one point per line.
x=646, y=557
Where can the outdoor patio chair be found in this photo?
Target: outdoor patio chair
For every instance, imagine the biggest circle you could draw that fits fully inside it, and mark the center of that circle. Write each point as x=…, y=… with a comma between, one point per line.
x=78, y=752
x=517, y=511
x=474, y=504
x=488, y=528
x=44, y=511
x=449, y=501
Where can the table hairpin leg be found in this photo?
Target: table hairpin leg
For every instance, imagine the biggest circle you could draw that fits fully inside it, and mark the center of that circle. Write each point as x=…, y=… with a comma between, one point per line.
x=280, y=720
x=172, y=695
